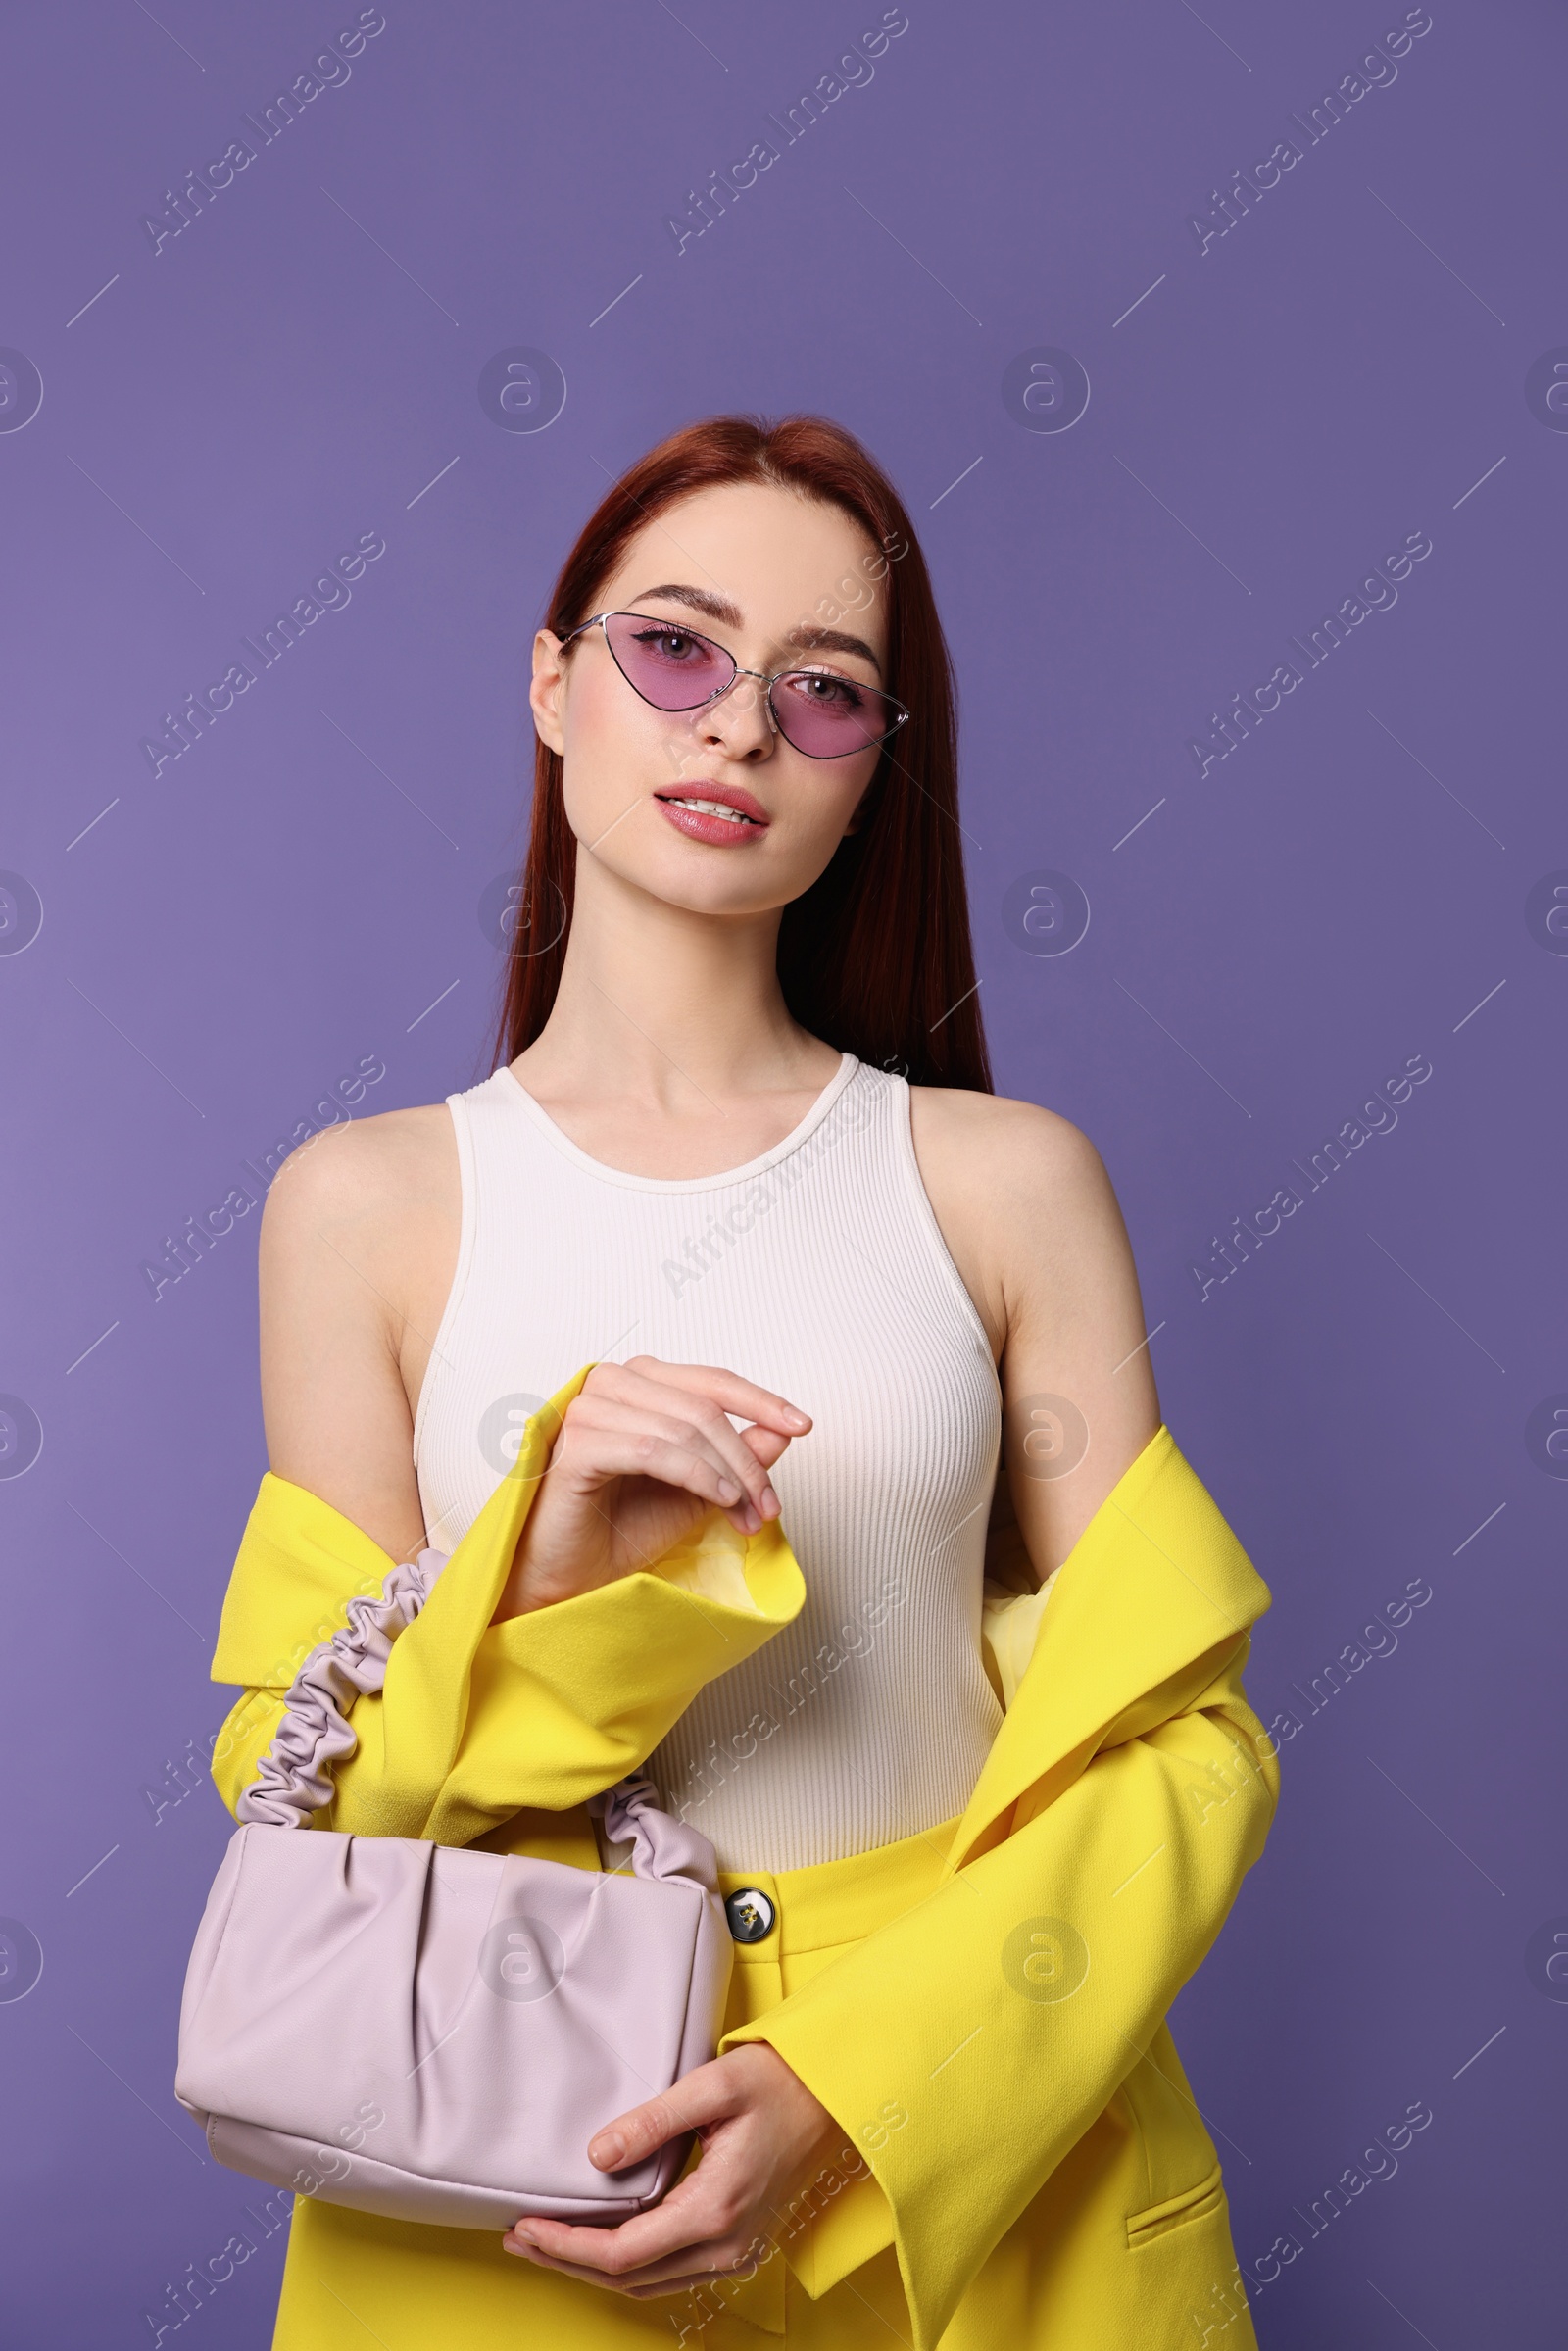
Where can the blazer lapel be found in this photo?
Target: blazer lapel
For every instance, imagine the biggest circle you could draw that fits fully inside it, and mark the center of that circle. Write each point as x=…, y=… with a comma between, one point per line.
x=1156, y=1583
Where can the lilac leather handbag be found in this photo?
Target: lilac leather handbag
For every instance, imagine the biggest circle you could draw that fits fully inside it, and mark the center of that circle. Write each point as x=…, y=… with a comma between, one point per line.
x=427, y=2031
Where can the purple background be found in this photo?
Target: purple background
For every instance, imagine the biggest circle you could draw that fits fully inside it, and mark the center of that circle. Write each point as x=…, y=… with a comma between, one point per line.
x=302, y=889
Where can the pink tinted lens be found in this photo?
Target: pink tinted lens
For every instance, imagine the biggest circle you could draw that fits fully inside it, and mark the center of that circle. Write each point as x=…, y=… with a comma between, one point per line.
x=831, y=717
x=668, y=665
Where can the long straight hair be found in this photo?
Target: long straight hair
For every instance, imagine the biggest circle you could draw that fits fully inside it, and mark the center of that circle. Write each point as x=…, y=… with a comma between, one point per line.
x=875, y=958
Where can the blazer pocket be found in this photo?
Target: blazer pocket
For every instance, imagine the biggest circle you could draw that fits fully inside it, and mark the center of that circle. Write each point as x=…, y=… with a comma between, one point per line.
x=1193, y=2204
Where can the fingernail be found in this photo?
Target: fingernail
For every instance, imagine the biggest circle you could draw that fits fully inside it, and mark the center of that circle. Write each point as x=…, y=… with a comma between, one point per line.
x=800, y=1418
x=609, y=2152
x=769, y=1498
x=525, y=2237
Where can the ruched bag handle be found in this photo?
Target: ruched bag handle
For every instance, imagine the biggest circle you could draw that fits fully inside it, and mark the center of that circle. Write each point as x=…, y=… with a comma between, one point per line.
x=296, y=1773
x=295, y=1778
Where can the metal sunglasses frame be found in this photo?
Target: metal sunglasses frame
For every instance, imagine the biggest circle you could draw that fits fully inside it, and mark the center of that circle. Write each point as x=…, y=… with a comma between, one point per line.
x=768, y=680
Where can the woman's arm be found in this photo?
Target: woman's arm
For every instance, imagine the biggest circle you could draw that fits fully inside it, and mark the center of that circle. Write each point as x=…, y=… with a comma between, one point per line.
x=1033, y=1225
x=358, y=1246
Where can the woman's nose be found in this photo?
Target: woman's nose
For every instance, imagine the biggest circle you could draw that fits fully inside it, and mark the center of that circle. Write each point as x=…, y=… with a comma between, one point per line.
x=740, y=715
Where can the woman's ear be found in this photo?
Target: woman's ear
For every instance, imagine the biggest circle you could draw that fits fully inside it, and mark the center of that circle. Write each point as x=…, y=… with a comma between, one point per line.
x=544, y=691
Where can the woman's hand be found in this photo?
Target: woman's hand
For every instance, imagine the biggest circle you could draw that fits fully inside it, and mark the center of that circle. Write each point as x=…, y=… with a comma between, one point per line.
x=763, y=2135
x=644, y=1448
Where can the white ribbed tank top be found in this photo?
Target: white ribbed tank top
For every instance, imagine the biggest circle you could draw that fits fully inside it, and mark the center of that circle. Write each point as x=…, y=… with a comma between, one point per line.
x=818, y=1269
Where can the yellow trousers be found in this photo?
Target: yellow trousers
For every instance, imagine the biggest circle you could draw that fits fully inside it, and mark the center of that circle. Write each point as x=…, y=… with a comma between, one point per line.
x=426, y=2289
x=418, y=2289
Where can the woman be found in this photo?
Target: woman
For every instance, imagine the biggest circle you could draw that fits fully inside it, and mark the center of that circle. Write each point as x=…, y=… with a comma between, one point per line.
x=740, y=1153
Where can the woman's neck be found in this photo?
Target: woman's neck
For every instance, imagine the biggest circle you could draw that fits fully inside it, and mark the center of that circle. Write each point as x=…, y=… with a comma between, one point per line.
x=669, y=1014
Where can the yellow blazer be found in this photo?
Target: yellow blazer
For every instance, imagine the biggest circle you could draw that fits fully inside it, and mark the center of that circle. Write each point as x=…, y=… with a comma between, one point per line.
x=998, y=2052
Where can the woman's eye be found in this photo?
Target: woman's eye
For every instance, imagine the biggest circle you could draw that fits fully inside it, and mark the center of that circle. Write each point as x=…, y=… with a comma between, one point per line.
x=818, y=686
x=667, y=644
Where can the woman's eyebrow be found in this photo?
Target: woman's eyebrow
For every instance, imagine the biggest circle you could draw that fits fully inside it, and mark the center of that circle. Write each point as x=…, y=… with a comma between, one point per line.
x=832, y=640
x=805, y=639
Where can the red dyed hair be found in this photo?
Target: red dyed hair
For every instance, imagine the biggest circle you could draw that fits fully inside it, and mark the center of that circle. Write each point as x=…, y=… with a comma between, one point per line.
x=875, y=958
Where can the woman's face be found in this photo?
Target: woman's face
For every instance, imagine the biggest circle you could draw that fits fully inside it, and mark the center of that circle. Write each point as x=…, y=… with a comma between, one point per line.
x=779, y=582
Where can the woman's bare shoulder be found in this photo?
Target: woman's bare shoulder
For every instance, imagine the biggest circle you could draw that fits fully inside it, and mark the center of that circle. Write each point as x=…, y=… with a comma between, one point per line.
x=1021, y=1196
x=385, y=1168
x=1021, y=1147
x=380, y=1196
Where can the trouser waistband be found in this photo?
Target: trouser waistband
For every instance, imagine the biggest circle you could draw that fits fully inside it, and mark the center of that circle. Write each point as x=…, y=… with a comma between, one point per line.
x=840, y=1902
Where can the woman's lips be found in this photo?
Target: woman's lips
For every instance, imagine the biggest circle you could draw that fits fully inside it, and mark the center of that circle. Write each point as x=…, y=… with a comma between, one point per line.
x=699, y=823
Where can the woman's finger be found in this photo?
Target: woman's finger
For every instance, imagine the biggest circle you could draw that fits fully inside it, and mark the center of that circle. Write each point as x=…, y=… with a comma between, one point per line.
x=633, y=1452
x=626, y=1453
x=662, y=2236
x=694, y=1402
x=679, y=2275
x=698, y=2211
x=732, y=1460
x=726, y=1388
x=692, y=1391
x=707, y=2094
x=713, y=2257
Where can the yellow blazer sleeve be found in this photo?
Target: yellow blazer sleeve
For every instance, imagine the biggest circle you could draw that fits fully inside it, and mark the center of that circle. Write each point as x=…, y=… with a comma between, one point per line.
x=968, y=2045
x=478, y=1721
